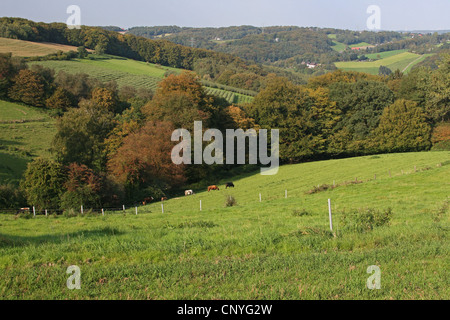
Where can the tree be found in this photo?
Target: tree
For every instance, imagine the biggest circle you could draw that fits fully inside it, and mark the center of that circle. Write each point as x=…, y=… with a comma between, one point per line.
x=384, y=71
x=61, y=99
x=105, y=98
x=82, y=188
x=81, y=134
x=403, y=127
x=29, y=88
x=144, y=159
x=43, y=183
x=82, y=52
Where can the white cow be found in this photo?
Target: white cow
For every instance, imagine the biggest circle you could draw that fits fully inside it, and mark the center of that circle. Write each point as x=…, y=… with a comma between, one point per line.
x=188, y=192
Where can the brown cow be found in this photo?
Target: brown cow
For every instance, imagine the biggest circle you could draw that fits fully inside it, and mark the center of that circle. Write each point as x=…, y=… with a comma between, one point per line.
x=163, y=198
x=147, y=200
x=214, y=187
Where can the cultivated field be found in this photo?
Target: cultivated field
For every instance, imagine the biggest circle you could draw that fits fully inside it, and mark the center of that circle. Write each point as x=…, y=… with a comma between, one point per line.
x=23, y=48
x=127, y=72
x=403, y=61
x=25, y=132
x=279, y=248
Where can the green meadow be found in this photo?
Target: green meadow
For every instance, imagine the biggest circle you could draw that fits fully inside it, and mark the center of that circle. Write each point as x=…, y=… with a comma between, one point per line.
x=279, y=248
x=403, y=61
x=25, y=133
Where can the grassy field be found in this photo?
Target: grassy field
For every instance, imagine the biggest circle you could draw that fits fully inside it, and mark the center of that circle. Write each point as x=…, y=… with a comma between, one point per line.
x=25, y=133
x=280, y=248
x=23, y=48
x=131, y=73
x=403, y=61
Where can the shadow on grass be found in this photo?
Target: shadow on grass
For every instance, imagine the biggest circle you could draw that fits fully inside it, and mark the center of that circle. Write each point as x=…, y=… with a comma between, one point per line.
x=19, y=241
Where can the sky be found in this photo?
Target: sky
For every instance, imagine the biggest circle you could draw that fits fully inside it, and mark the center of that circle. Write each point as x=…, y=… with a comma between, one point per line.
x=395, y=15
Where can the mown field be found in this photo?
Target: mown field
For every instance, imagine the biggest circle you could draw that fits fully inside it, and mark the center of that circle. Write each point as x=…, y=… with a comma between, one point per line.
x=25, y=133
x=403, y=61
x=127, y=72
x=279, y=248
x=23, y=48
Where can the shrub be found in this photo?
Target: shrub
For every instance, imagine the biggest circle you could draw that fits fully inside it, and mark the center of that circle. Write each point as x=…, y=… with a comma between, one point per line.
x=11, y=197
x=300, y=213
x=365, y=220
x=230, y=201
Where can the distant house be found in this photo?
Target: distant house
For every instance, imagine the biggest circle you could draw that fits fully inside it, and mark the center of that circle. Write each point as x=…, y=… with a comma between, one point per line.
x=312, y=65
x=218, y=39
x=362, y=48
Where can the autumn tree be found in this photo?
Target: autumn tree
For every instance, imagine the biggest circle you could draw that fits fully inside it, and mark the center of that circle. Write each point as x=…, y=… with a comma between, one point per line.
x=60, y=99
x=82, y=187
x=403, y=127
x=144, y=159
x=29, y=88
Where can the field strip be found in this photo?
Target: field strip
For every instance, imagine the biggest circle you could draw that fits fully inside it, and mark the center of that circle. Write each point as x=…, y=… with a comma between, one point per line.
x=406, y=68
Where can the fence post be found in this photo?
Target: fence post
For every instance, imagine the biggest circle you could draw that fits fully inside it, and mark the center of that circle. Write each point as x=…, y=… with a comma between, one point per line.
x=34, y=212
x=260, y=197
x=123, y=207
x=81, y=209
x=329, y=213
x=200, y=205
x=45, y=212
x=285, y=194
x=375, y=176
x=136, y=210
x=162, y=207
x=103, y=212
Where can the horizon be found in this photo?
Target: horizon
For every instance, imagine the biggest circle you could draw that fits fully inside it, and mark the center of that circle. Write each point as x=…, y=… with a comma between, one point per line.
x=345, y=15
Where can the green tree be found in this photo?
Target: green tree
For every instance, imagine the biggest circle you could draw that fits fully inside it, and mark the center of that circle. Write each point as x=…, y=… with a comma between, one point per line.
x=43, y=183
x=81, y=135
x=403, y=127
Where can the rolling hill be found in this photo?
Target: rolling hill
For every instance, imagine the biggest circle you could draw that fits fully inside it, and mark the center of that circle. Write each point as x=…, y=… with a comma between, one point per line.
x=25, y=133
x=401, y=60
x=23, y=48
x=279, y=248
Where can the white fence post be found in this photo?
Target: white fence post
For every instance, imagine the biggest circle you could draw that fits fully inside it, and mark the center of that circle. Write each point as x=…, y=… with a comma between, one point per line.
x=123, y=207
x=34, y=212
x=81, y=209
x=136, y=210
x=45, y=212
x=285, y=194
x=200, y=205
x=162, y=207
x=260, y=197
x=329, y=213
x=103, y=212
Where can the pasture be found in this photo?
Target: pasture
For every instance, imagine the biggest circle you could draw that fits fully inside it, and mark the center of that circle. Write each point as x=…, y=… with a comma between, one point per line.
x=279, y=248
x=403, y=61
x=128, y=72
x=25, y=133
x=23, y=48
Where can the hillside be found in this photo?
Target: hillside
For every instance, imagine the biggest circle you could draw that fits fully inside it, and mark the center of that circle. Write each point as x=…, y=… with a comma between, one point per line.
x=128, y=72
x=23, y=48
x=25, y=133
x=280, y=248
x=394, y=60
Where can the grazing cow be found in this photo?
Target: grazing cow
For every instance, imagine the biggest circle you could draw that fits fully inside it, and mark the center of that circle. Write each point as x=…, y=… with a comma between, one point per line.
x=23, y=210
x=163, y=198
x=214, y=187
x=188, y=192
x=229, y=185
x=147, y=200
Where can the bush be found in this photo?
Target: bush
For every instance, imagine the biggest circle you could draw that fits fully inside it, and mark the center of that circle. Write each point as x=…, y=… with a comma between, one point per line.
x=11, y=197
x=300, y=213
x=365, y=220
x=230, y=201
